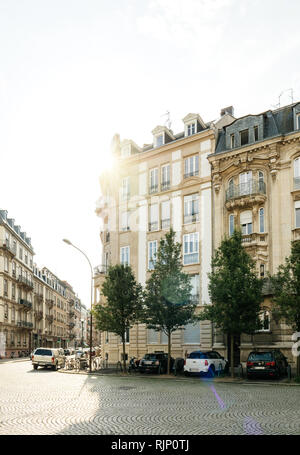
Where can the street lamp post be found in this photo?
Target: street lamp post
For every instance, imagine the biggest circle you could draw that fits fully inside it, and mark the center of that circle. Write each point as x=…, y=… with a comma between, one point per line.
x=82, y=321
x=70, y=243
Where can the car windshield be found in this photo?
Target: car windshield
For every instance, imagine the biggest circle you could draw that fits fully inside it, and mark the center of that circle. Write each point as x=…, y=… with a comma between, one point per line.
x=43, y=352
x=260, y=356
x=197, y=355
x=150, y=357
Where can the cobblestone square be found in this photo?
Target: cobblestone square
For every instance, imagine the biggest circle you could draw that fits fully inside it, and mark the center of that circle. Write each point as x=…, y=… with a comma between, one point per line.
x=48, y=402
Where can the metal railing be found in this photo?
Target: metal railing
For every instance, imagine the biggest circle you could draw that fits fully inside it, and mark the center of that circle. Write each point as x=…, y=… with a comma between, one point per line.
x=165, y=185
x=192, y=218
x=6, y=245
x=25, y=281
x=25, y=324
x=165, y=223
x=153, y=189
x=246, y=189
x=26, y=303
x=191, y=174
x=153, y=226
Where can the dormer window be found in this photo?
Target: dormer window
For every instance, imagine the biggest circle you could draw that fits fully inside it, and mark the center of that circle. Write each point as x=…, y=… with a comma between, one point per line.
x=191, y=129
x=232, y=141
x=298, y=121
x=256, y=133
x=159, y=140
x=244, y=137
x=125, y=151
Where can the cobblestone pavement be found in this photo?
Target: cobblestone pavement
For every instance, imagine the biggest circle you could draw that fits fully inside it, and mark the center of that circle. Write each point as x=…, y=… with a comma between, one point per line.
x=47, y=402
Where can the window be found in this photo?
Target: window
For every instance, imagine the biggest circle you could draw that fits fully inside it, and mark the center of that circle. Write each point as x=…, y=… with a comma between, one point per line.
x=245, y=179
x=125, y=151
x=297, y=214
x=265, y=320
x=5, y=288
x=246, y=222
x=21, y=253
x=261, y=220
x=191, y=129
x=297, y=173
x=232, y=141
x=153, y=181
x=231, y=224
x=165, y=177
x=152, y=336
x=262, y=270
x=125, y=225
x=191, y=248
x=230, y=188
x=298, y=121
x=125, y=188
x=165, y=215
x=159, y=140
x=152, y=250
x=244, y=137
x=191, y=166
x=13, y=291
x=125, y=255
x=191, y=208
x=191, y=334
x=26, y=258
x=195, y=292
x=153, y=224
x=127, y=337
x=256, y=133
x=5, y=264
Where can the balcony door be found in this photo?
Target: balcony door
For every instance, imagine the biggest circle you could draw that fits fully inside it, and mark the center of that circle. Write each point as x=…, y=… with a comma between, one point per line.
x=246, y=183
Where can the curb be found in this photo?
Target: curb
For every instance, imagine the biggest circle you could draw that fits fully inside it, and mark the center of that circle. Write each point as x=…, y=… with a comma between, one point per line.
x=14, y=360
x=178, y=378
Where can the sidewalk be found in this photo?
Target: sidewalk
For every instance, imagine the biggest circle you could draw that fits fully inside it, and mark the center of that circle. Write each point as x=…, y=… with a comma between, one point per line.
x=17, y=359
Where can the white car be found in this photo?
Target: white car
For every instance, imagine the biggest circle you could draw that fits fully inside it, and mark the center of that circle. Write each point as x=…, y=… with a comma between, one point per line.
x=209, y=362
x=48, y=357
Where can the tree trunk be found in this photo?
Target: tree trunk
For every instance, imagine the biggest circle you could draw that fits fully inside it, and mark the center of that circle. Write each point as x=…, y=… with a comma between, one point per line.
x=124, y=358
x=232, y=355
x=169, y=351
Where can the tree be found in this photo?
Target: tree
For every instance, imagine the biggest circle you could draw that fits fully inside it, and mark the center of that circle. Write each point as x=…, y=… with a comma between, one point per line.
x=168, y=304
x=235, y=291
x=123, y=307
x=286, y=288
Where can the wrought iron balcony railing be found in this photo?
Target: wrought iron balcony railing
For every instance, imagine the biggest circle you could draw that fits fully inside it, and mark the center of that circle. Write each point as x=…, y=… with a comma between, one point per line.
x=25, y=324
x=25, y=281
x=165, y=224
x=245, y=189
x=191, y=174
x=6, y=246
x=153, y=189
x=165, y=185
x=101, y=269
x=153, y=226
x=26, y=303
x=192, y=218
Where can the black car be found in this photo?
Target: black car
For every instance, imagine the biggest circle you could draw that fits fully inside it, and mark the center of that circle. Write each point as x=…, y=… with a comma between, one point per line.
x=267, y=363
x=157, y=362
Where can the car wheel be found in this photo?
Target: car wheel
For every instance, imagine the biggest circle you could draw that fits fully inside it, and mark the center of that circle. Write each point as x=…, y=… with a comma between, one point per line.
x=35, y=367
x=249, y=376
x=55, y=367
x=186, y=373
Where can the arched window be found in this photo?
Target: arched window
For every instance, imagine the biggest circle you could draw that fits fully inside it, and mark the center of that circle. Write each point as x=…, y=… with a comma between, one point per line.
x=231, y=224
x=230, y=188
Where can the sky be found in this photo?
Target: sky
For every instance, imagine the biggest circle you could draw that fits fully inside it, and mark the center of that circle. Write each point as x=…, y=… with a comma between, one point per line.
x=75, y=72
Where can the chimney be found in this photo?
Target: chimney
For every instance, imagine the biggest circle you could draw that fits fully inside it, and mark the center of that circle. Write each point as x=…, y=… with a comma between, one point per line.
x=3, y=214
x=227, y=110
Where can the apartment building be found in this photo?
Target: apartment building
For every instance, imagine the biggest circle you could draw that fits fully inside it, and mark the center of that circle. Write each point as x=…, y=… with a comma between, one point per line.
x=163, y=184
x=16, y=287
x=256, y=186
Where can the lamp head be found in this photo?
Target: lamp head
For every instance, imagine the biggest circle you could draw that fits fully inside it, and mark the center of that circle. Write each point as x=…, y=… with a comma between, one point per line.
x=67, y=241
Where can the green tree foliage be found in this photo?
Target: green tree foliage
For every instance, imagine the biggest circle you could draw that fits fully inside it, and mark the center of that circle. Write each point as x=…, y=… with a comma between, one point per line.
x=168, y=304
x=286, y=288
x=235, y=291
x=123, y=306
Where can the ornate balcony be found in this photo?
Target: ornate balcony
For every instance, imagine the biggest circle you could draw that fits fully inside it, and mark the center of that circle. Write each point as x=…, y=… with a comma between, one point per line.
x=254, y=239
x=191, y=174
x=71, y=314
x=50, y=303
x=247, y=193
x=7, y=247
x=101, y=269
x=71, y=325
x=193, y=218
x=38, y=315
x=165, y=224
x=49, y=318
x=296, y=234
x=71, y=302
x=153, y=189
x=28, y=284
x=25, y=324
x=38, y=297
x=165, y=186
x=26, y=304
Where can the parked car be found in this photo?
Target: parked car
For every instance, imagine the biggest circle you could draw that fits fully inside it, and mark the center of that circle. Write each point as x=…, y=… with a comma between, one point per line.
x=208, y=362
x=267, y=363
x=48, y=357
x=155, y=362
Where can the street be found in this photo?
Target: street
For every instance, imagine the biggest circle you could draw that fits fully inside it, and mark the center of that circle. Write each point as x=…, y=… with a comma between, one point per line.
x=49, y=402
